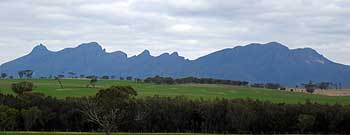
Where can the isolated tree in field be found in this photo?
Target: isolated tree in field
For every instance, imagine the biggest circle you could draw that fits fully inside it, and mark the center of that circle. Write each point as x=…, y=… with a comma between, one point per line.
x=93, y=82
x=106, y=77
x=310, y=87
x=22, y=87
x=3, y=75
x=59, y=82
x=30, y=117
x=324, y=85
x=129, y=78
x=29, y=73
x=109, y=107
x=25, y=73
x=20, y=74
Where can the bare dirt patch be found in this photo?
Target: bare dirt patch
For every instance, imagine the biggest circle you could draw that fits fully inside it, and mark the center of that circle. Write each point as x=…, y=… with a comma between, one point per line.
x=342, y=92
x=329, y=92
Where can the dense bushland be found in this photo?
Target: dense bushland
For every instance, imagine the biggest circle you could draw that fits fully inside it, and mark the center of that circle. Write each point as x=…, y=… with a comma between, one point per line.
x=169, y=80
x=36, y=112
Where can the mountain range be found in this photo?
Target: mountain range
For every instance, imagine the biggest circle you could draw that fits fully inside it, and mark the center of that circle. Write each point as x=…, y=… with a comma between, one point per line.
x=256, y=63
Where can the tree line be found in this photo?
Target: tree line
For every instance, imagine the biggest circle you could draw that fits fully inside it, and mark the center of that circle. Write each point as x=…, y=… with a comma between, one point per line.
x=169, y=80
x=119, y=109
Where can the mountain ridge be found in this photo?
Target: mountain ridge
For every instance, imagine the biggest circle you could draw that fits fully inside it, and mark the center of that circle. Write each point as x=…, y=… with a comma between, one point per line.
x=255, y=62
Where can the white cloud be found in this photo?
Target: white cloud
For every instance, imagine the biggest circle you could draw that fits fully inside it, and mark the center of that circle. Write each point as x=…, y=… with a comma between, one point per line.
x=191, y=27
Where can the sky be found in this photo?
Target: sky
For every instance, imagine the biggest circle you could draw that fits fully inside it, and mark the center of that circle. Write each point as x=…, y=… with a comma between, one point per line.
x=191, y=27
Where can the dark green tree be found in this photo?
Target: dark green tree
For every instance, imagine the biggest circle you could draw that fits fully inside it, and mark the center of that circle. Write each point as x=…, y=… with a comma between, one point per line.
x=8, y=118
x=20, y=74
x=25, y=73
x=93, y=82
x=22, y=87
x=106, y=77
x=310, y=87
x=305, y=122
x=109, y=107
x=30, y=117
x=59, y=82
x=324, y=85
x=3, y=75
x=129, y=78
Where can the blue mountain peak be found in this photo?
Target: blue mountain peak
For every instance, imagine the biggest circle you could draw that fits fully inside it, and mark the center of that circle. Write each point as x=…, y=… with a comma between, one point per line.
x=263, y=48
x=164, y=54
x=145, y=53
x=119, y=53
x=40, y=49
x=175, y=54
x=92, y=46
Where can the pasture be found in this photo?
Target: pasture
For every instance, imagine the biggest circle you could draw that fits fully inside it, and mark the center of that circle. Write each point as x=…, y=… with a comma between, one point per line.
x=77, y=87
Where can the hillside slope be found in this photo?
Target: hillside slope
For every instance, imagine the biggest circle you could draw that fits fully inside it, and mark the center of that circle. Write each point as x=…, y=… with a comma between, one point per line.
x=271, y=62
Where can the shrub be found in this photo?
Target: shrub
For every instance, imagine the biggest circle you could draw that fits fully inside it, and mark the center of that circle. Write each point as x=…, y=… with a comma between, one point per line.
x=8, y=117
x=22, y=87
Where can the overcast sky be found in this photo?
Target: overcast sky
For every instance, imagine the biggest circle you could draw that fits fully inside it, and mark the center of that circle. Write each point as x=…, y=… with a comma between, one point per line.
x=191, y=27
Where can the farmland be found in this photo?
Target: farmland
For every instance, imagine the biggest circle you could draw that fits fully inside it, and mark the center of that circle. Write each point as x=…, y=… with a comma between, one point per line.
x=77, y=88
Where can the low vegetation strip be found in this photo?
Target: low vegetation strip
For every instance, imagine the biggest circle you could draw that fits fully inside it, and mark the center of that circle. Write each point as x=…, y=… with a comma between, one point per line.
x=77, y=88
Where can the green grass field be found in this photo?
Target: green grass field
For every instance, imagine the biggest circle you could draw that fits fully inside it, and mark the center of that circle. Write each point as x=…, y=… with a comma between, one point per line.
x=75, y=87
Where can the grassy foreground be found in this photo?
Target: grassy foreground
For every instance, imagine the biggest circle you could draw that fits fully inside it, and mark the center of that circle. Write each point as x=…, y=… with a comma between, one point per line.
x=76, y=88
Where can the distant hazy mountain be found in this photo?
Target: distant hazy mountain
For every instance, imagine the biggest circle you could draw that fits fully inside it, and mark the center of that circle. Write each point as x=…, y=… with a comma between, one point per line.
x=271, y=62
